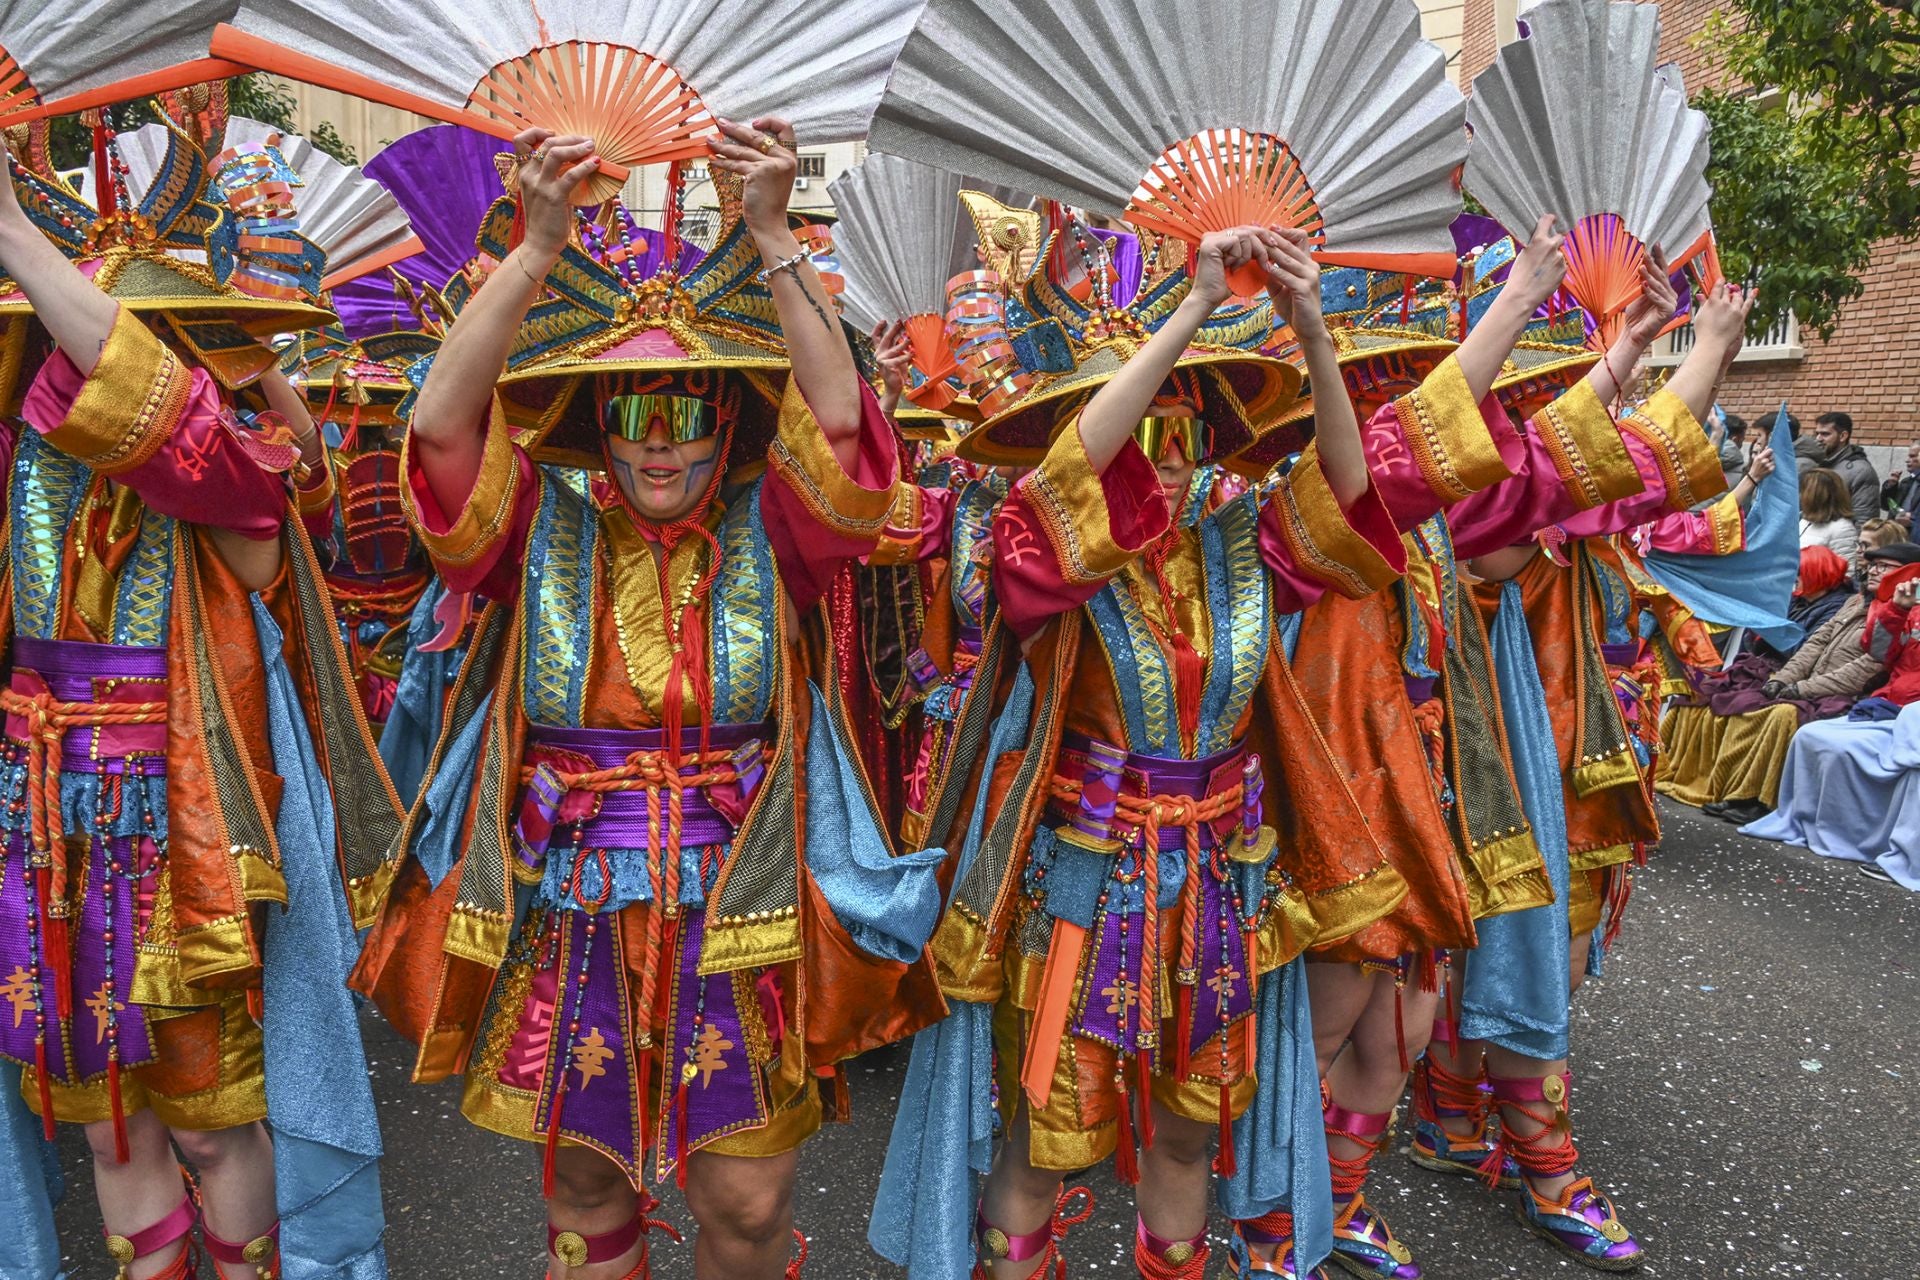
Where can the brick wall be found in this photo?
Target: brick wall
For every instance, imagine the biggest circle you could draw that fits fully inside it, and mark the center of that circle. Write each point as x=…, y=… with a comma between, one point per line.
x=1866, y=369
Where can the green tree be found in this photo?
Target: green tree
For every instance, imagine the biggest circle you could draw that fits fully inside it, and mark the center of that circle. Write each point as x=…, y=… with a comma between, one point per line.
x=256, y=97
x=1805, y=188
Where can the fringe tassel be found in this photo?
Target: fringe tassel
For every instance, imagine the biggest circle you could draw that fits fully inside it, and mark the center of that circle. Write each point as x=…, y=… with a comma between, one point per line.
x=1126, y=1160
x=122, y=1153
x=1143, y=1090
x=680, y=1136
x=45, y=1085
x=1182, y=1021
x=552, y=1147
x=1226, y=1163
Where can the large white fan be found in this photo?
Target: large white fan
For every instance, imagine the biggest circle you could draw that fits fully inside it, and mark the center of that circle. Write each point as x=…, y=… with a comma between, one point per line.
x=643, y=78
x=354, y=219
x=1577, y=120
x=899, y=241
x=1333, y=116
x=60, y=56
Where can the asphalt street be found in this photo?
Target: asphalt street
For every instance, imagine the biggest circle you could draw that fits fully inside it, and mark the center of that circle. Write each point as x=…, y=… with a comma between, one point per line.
x=1747, y=1085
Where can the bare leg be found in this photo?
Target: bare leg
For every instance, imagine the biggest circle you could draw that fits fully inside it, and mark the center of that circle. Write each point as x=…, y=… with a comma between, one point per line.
x=591, y=1197
x=1339, y=994
x=1175, y=1174
x=743, y=1206
x=235, y=1169
x=137, y=1194
x=1018, y=1199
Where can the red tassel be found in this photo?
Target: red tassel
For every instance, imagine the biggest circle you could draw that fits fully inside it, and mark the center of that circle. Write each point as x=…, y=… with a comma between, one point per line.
x=842, y=1099
x=1126, y=1161
x=1182, y=1022
x=103, y=192
x=1226, y=1164
x=1400, y=1025
x=45, y=1084
x=122, y=1153
x=553, y=1145
x=59, y=955
x=1143, y=1090
x=1189, y=676
x=518, y=232
x=680, y=1136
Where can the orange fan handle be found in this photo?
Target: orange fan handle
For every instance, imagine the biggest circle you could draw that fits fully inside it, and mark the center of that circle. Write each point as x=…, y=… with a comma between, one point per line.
x=256, y=54
x=927, y=335
x=179, y=76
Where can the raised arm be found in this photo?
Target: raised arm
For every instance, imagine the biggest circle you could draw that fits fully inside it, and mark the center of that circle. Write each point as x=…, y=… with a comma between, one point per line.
x=1535, y=274
x=1293, y=283
x=762, y=155
x=78, y=316
x=1110, y=418
x=448, y=437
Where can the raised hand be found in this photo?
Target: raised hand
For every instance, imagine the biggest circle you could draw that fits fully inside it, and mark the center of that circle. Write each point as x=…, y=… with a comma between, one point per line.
x=551, y=169
x=1720, y=321
x=1219, y=253
x=1293, y=278
x=893, y=353
x=761, y=154
x=1540, y=268
x=1648, y=314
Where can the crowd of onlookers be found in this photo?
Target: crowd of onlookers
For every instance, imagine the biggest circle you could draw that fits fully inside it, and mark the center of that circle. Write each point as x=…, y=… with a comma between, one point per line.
x=1769, y=741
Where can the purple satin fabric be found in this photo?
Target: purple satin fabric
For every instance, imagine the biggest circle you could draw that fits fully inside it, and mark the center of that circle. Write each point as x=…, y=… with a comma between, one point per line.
x=625, y=818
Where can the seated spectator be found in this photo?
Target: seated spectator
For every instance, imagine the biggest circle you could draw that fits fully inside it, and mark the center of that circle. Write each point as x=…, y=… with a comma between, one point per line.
x=1834, y=434
x=1850, y=788
x=1824, y=585
x=1900, y=495
x=1728, y=434
x=1726, y=756
x=1826, y=514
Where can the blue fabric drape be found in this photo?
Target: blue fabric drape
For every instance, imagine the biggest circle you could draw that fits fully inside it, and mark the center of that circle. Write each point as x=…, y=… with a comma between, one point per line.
x=1514, y=993
x=29, y=1186
x=888, y=905
x=943, y=1130
x=413, y=725
x=1751, y=588
x=326, y=1137
x=1280, y=1139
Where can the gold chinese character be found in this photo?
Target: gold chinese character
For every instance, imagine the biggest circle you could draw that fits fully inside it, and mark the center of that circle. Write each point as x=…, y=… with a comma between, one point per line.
x=1223, y=980
x=18, y=992
x=590, y=1056
x=99, y=1006
x=708, y=1054
x=1120, y=995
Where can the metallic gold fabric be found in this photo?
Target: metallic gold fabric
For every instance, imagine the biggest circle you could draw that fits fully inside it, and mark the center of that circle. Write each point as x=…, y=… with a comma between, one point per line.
x=489, y=511
x=208, y=1072
x=1688, y=460
x=1448, y=435
x=1320, y=539
x=1071, y=504
x=803, y=458
x=129, y=404
x=1585, y=445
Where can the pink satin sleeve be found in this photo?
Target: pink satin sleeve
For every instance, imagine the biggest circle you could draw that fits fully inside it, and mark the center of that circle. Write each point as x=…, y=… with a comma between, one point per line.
x=201, y=473
x=1403, y=487
x=1628, y=512
x=806, y=498
x=1063, y=531
x=1312, y=547
x=495, y=572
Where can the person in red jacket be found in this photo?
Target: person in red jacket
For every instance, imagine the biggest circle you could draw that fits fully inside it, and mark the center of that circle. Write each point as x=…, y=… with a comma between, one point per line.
x=1893, y=626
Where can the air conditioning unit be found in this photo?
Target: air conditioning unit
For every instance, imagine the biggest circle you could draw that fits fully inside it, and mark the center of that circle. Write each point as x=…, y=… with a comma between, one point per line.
x=801, y=184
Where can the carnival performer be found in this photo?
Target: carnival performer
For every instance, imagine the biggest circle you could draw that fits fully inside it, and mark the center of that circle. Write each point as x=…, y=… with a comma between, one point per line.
x=657, y=902
x=165, y=779
x=1154, y=669
x=1584, y=786
x=1366, y=671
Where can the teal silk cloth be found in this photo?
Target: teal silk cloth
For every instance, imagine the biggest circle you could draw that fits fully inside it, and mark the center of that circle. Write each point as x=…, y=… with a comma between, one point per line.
x=1515, y=991
x=326, y=1138
x=1751, y=588
x=888, y=905
x=943, y=1129
x=29, y=1185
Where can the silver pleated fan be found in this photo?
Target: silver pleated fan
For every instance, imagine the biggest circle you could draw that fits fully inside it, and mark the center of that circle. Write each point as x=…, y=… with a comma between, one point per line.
x=1577, y=120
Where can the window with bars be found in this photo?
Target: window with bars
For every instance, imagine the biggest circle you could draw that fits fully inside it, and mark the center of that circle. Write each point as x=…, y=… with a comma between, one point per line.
x=813, y=164
x=1781, y=342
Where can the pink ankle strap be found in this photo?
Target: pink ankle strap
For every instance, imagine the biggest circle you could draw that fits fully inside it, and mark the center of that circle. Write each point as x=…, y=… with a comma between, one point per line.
x=258, y=1252
x=1364, y=1128
x=1174, y=1251
x=576, y=1250
x=175, y=1226
x=1533, y=1088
